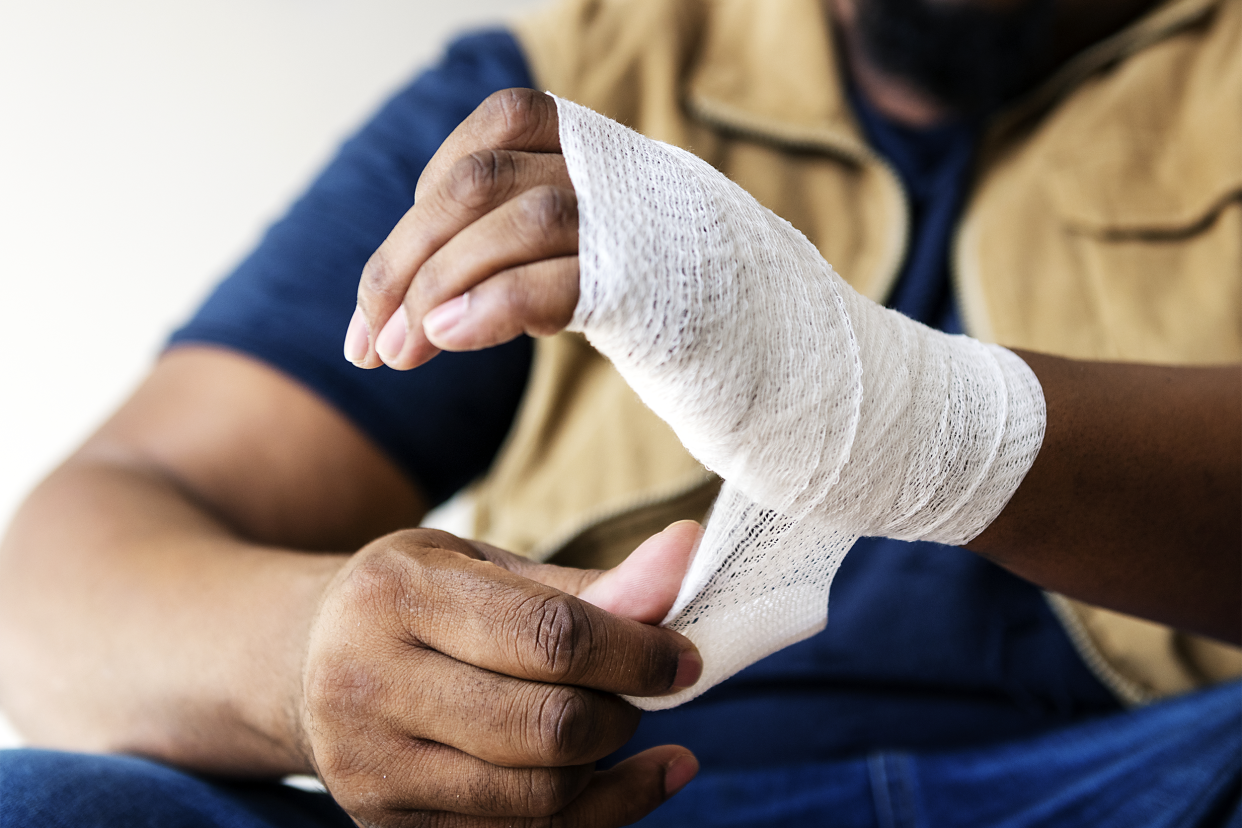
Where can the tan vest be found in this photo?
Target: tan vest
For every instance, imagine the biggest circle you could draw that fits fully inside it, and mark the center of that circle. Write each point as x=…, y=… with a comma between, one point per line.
x=1104, y=222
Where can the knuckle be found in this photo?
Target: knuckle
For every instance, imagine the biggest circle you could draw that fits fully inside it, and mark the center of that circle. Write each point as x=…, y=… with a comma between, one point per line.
x=517, y=297
x=376, y=578
x=557, y=635
x=380, y=278
x=477, y=179
x=340, y=688
x=343, y=761
x=379, y=590
x=542, y=792
x=547, y=210
x=370, y=784
x=561, y=725
x=513, y=115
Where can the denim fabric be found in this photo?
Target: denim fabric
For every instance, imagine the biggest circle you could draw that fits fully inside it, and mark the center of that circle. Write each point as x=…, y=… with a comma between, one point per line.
x=1177, y=764
x=49, y=789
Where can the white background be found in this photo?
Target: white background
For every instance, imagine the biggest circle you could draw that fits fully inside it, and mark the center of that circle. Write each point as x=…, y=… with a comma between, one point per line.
x=144, y=145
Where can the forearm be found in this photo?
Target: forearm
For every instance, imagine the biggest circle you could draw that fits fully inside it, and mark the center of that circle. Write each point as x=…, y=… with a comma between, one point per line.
x=131, y=620
x=1135, y=499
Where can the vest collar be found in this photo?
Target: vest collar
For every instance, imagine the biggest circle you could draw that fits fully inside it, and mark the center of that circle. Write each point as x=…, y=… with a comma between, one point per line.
x=768, y=70
x=1161, y=22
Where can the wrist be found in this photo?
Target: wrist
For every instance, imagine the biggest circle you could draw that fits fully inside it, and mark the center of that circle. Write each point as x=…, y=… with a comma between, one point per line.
x=948, y=428
x=284, y=717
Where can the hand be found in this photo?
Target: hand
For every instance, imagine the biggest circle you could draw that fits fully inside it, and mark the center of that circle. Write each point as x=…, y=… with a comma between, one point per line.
x=488, y=251
x=444, y=686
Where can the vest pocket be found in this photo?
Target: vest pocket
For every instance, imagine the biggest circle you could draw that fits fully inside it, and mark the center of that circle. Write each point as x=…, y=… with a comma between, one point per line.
x=1164, y=270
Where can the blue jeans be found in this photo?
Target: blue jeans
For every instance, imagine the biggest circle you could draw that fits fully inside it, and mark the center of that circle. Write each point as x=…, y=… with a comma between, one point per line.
x=1177, y=763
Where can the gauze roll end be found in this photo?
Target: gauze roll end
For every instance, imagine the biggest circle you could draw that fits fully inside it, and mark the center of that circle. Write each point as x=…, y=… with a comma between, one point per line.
x=758, y=583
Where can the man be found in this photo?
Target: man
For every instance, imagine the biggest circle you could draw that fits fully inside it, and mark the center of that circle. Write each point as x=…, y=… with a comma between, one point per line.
x=213, y=518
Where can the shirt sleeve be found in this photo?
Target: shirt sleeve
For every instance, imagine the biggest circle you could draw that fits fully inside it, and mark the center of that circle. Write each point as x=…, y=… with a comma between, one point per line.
x=288, y=303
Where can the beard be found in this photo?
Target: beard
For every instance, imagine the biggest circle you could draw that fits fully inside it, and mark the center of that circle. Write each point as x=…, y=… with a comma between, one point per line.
x=969, y=59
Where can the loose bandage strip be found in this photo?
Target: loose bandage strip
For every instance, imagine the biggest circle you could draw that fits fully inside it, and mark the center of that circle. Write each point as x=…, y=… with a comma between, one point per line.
x=828, y=416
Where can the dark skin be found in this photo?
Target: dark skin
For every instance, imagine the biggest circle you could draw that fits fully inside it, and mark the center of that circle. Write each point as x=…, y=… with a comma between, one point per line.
x=209, y=614
x=219, y=577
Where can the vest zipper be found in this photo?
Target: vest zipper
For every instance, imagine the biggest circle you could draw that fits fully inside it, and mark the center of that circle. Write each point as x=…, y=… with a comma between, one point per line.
x=1128, y=692
x=902, y=241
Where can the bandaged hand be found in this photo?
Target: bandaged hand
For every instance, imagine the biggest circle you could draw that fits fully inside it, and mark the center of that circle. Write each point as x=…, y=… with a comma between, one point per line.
x=828, y=416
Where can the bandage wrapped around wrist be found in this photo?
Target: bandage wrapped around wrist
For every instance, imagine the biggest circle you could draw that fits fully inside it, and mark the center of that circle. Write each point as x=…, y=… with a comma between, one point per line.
x=828, y=416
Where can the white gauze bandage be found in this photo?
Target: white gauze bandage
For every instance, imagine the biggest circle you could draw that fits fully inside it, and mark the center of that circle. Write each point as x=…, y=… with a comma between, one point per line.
x=828, y=416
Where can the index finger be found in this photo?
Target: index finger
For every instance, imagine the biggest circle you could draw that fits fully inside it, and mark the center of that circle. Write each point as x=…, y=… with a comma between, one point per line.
x=524, y=120
x=481, y=614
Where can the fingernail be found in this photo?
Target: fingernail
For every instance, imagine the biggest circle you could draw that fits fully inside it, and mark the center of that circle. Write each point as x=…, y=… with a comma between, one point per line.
x=689, y=668
x=679, y=773
x=356, y=338
x=443, y=318
x=698, y=527
x=392, y=338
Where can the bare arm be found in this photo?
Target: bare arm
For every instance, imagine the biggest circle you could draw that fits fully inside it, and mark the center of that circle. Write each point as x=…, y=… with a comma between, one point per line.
x=186, y=587
x=1135, y=500
x=133, y=573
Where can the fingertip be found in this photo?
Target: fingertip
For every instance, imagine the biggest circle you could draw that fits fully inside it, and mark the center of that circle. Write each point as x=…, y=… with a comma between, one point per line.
x=645, y=585
x=689, y=669
x=400, y=348
x=357, y=338
x=684, y=531
x=634, y=788
x=391, y=339
x=679, y=772
x=666, y=555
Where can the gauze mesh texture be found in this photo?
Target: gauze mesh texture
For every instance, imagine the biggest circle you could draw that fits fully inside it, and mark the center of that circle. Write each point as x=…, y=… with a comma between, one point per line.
x=828, y=416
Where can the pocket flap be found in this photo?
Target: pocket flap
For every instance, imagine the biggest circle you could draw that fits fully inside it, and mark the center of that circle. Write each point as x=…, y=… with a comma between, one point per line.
x=1156, y=147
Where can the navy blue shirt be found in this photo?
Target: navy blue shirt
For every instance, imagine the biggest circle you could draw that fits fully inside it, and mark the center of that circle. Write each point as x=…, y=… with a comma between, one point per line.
x=290, y=301
x=927, y=646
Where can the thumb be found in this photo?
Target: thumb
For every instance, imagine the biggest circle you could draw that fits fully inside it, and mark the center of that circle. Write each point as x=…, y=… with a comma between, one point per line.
x=645, y=585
